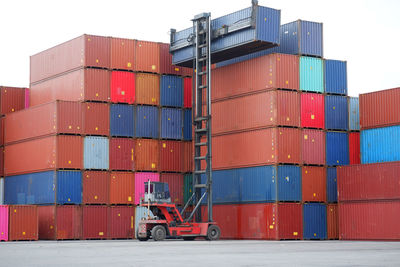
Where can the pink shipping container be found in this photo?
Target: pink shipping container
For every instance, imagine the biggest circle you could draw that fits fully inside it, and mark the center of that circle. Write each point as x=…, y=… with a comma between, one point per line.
x=175, y=183
x=11, y=99
x=313, y=147
x=3, y=222
x=140, y=178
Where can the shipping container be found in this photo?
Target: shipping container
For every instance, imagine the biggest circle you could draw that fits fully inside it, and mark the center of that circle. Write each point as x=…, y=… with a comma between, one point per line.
x=380, y=145
x=312, y=111
x=122, y=156
x=314, y=221
x=175, y=183
x=96, y=153
x=171, y=123
x=23, y=222
x=78, y=85
x=97, y=119
x=313, y=184
x=171, y=91
x=140, y=212
x=147, y=122
x=171, y=153
x=311, y=74
x=3, y=222
x=187, y=92
x=187, y=187
x=85, y=50
x=354, y=114
x=51, y=187
x=332, y=221
x=187, y=124
x=122, y=87
x=1, y=190
x=147, y=89
x=27, y=102
x=146, y=155
x=122, y=188
x=11, y=99
x=140, y=179
x=372, y=220
x=379, y=109
x=273, y=145
x=331, y=184
x=337, y=148
x=48, y=153
x=122, y=120
x=336, y=112
x=95, y=187
x=166, y=66
x=379, y=181
x=354, y=148
x=1, y=161
x=313, y=147
x=256, y=75
x=94, y=222
x=147, y=56
x=121, y=222
x=122, y=54
x=60, y=222
x=335, y=77
x=2, y=130
x=188, y=157
x=228, y=219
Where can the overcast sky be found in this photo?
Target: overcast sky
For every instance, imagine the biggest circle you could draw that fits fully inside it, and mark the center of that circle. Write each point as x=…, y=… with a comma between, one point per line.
x=366, y=33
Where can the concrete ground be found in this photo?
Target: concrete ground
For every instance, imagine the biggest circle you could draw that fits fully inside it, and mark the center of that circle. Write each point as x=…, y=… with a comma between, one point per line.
x=199, y=253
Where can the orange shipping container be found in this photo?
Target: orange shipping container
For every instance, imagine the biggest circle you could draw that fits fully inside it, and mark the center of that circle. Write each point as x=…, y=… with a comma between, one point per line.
x=147, y=89
x=313, y=184
x=146, y=155
x=122, y=54
x=52, y=152
x=332, y=221
x=23, y=222
x=147, y=55
x=188, y=157
x=122, y=188
x=97, y=119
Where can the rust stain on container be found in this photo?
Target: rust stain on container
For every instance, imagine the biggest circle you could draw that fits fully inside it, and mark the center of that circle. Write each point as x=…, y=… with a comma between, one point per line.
x=11, y=99
x=122, y=54
x=332, y=221
x=175, y=183
x=147, y=89
x=97, y=118
x=147, y=56
x=171, y=156
x=188, y=157
x=122, y=188
x=313, y=147
x=147, y=155
x=23, y=222
x=313, y=184
x=96, y=187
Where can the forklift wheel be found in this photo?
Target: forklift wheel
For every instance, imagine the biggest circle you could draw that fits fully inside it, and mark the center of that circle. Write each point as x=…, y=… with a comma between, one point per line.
x=141, y=238
x=158, y=233
x=213, y=233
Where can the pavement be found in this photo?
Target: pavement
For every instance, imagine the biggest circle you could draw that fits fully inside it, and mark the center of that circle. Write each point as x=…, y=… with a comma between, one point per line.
x=199, y=253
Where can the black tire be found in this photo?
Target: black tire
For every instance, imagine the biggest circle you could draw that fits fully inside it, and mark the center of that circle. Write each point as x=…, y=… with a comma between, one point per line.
x=189, y=238
x=213, y=233
x=141, y=238
x=158, y=233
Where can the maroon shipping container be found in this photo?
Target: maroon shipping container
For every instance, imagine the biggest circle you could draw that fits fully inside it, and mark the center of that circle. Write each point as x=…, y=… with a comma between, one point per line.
x=1, y=161
x=122, y=188
x=313, y=147
x=261, y=110
x=313, y=184
x=78, y=85
x=11, y=99
x=175, y=183
x=95, y=222
x=97, y=119
x=188, y=157
x=372, y=220
x=60, y=222
x=95, y=187
x=380, y=108
x=166, y=66
x=147, y=56
x=23, y=222
x=354, y=148
x=227, y=218
x=187, y=92
x=122, y=54
x=256, y=148
x=122, y=87
x=312, y=110
x=332, y=219
x=121, y=222
x=85, y=50
x=147, y=155
x=122, y=154
x=378, y=181
x=171, y=153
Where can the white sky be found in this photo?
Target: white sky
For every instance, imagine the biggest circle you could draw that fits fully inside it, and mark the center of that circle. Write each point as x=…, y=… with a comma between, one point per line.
x=366, y=33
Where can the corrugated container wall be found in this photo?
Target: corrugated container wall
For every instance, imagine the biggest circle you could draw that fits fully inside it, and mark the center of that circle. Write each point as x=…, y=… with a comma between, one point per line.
x=146, y=155
x=311, y=74
x=122, y=188
x=147, y=122
x=228, y=219
x=1, y=190
x=122, y=87
x=331, y=184
x=313, y=147
x=187, y=124
x=122, y=54
x=121, y=222
x=187, y=92
x=94, y=222
x=187, y=157
x=166, y=66
x=122, y=156
x=97, y=118
x=187, y=187
x=4, y=223
x=171, y=123
x=336, y=112
x=171, y=153
x=332, y=219
x=147, y=55
x=23, y=222
x=335, y=77
x=140, y=179
x=312, y=111
x=313, y=180
x=337, y=148
x=354, y=148
x=314, y=221
x=96, y=153
x=147, y=89
x=171, y=91
x=122, y=120
x=11, y=99
x=95, y=187
x=27, y=94
x=354, y=114
x=175, y=183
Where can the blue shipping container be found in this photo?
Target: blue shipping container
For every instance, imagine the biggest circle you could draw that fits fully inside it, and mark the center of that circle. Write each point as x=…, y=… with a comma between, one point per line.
x=331, y=185
x=51, y=187
x=337, y=148
x=354, y=114
x=336, y=112
x=314, y=221
x=380, y=145
x=122, y=120
x=171, y=123
x=96, y=153
x=187, y=124
x=311, y=74
x=147, y=121
x=171, y=91
x=335, y=77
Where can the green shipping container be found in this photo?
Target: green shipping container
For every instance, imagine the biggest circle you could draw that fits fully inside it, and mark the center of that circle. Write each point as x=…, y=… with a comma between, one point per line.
x=187, y=187
x=311, y=74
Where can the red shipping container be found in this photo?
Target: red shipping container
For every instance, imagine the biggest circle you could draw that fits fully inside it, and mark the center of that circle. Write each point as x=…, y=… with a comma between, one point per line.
x=147, y=55
x=11, y=99
x=147, y=155
x=60, y=222
x=378, y=181
x=380, y=108
x=187, y=92
x=1, y=161
x=354, y=148
x=122, y=154
x=95, y=222
x=256, y=148
x=332, y=219
x=175, y=183
x=85, y=50
x=97, y=119
x=312, y=110
x=313, y=147
x=23, y=222
x=121, y=222
x=48, y=153
x=147, y=89
x=122, y=188
x=188, y=157
x=122, y=54
x=122, y=87
x=166, y=66
x=227, y=218
x=95, y=187
x=313, y=184
x=78, y=85
x=171, y=153
x=372, y=220
x=27, y=98
x=257, y=74
x=2, y=130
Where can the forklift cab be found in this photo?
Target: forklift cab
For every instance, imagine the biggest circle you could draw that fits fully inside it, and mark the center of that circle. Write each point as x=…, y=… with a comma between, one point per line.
x=156, y=192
